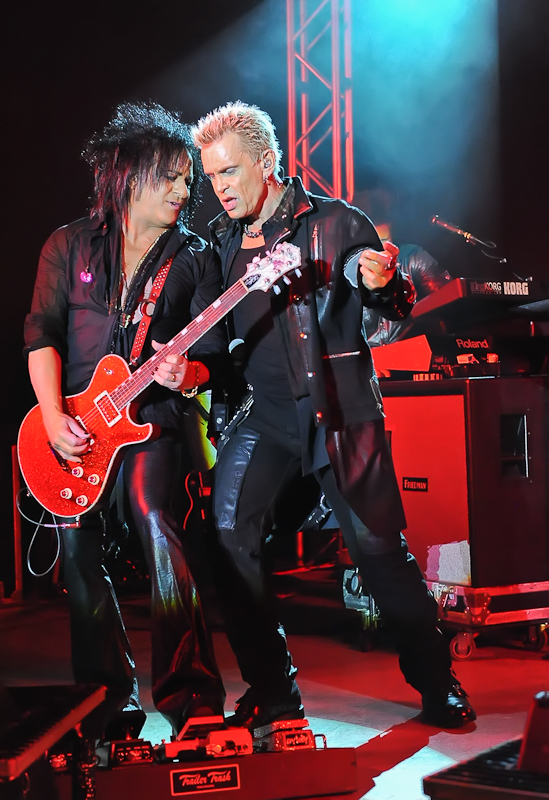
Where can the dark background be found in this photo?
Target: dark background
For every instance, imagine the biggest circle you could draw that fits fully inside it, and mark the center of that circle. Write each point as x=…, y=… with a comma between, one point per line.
x=66, y=66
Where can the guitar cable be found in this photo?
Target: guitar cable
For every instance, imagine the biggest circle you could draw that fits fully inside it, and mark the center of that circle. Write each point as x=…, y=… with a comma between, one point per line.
x=40, y=524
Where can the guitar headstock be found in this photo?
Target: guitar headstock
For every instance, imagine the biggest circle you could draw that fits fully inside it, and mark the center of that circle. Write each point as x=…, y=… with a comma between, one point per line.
x=262, y=273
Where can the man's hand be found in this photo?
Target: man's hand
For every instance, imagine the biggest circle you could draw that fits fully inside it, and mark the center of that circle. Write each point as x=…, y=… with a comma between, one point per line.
x=66, y=435
x=171, y=372
x=378, y=267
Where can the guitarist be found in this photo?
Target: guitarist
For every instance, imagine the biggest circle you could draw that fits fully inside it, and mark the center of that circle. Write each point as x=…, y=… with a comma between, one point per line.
x=94, y=278
x=317, y=410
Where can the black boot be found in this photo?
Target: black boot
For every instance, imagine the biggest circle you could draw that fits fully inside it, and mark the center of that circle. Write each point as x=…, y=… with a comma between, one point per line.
x=450, y=709
x=257, y=708
x=410, y=612
x=125, y=724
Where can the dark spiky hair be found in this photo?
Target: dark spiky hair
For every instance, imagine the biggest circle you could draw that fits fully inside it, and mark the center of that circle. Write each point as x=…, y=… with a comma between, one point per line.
x=141, y=143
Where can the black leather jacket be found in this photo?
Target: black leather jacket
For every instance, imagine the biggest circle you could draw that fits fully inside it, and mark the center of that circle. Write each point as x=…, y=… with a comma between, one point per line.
x=321, y=327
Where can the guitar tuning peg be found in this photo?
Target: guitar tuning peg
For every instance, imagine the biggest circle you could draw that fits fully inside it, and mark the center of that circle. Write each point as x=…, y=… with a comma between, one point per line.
x=276, y=289
x=298, y=272
x=286, y=280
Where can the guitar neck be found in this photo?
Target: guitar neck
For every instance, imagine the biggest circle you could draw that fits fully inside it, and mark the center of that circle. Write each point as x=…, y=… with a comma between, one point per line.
x=144, y=376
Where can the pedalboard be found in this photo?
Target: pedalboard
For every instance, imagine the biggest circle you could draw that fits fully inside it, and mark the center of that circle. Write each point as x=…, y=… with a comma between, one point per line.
x=280, y=760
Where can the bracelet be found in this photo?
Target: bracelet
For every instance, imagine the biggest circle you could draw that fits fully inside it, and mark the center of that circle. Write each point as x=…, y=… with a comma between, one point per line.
x=194, y=391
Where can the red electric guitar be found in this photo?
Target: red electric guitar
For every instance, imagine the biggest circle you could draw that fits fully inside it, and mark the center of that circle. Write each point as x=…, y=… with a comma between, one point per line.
x=69, y=489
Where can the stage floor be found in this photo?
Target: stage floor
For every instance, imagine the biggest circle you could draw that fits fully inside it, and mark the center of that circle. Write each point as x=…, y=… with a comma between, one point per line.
x=357, y=699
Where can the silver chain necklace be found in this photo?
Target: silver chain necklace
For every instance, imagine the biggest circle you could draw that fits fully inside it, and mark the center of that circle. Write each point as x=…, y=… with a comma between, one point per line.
x=252, y=234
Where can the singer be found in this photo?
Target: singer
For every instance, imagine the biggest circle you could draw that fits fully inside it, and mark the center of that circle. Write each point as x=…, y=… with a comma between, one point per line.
x=317, y=409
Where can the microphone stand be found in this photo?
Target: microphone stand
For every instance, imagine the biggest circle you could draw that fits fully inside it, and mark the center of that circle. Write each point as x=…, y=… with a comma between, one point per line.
x=470, y=239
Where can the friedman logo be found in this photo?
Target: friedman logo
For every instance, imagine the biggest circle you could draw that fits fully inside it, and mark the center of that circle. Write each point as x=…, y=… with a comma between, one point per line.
x=205, y=779
x=501, y=287
x=415, y=484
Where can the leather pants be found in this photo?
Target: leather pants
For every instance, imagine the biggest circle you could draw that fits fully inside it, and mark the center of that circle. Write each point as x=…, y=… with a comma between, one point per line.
x=252, y=471
x=183, y=662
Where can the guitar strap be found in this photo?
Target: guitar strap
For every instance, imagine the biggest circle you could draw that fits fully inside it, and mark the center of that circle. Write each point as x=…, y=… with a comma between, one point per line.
x=147, y=307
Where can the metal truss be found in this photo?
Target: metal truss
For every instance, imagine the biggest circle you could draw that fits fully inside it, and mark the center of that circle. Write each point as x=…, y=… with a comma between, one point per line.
x=320, y=103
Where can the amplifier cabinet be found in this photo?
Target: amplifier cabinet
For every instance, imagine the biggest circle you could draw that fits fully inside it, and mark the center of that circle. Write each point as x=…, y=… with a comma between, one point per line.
x=470, y=459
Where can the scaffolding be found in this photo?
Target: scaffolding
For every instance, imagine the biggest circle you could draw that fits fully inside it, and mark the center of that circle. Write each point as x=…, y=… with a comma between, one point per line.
x=320, y=102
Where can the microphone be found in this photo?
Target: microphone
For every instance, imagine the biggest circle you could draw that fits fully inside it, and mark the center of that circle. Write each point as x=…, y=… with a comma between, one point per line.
x=436, y=220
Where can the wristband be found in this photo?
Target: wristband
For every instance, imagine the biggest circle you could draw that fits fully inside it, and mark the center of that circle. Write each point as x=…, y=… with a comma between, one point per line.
x=192, y=392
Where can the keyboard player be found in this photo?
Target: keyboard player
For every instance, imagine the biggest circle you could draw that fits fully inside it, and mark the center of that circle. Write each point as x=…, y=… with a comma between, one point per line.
x=426, y=276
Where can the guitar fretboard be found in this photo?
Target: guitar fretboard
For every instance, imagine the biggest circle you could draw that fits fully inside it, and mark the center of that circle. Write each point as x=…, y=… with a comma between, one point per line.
x=144, y=375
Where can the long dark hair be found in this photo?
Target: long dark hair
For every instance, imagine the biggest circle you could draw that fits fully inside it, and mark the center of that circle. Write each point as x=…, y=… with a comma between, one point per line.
x=141, y=143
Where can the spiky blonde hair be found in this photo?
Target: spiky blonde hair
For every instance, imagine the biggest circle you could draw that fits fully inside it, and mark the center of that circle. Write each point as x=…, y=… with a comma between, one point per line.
x=254, y=126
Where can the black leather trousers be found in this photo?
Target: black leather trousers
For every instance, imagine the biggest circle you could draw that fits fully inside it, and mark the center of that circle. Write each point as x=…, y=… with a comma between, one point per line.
x=253, y=470
x=183, y=661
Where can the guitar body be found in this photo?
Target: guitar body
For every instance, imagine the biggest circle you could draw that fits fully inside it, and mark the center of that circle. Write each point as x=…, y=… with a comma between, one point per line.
x=69, y=488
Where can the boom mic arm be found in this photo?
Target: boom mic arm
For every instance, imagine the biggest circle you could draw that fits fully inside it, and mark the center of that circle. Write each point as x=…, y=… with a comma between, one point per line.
x=436, y=220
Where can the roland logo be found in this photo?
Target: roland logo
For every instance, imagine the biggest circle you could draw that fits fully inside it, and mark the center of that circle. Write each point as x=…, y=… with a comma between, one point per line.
x=415, y=484
x=471, y=344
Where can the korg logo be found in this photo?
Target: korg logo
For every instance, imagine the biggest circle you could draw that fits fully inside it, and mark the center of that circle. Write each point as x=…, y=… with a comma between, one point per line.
x=415, y=484
x=486, y=287
x=205, y=779
x=521, y=288
x=515, y=287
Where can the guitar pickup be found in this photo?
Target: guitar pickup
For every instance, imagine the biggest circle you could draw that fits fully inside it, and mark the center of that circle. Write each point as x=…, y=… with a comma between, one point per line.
x=107, y=409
